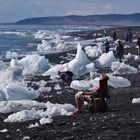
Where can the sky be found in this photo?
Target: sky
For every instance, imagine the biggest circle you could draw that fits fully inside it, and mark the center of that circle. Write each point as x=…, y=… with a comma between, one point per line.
x=14, y=10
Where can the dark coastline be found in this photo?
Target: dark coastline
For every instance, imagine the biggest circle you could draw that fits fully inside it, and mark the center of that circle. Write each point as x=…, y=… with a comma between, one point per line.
x=105, y=19
x=122, y=123
x=121, y=32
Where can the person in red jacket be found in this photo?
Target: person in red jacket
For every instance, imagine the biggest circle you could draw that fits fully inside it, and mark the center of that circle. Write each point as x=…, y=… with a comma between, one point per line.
x=98, y=91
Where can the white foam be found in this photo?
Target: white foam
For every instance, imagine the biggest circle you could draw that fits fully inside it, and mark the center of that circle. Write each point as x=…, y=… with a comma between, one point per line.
x=114, y=81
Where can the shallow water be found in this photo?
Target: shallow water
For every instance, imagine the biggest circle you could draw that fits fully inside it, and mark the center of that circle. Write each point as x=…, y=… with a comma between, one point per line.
x=21, y=38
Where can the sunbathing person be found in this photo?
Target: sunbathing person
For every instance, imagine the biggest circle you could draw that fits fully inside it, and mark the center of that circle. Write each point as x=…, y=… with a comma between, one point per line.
x=97, y=92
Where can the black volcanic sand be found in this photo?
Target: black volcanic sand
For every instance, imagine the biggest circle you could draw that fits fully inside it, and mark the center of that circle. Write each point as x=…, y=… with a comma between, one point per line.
x=121, y=32
x=121, y=123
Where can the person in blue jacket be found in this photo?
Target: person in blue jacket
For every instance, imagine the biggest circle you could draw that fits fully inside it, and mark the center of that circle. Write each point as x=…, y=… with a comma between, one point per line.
x=107, y=45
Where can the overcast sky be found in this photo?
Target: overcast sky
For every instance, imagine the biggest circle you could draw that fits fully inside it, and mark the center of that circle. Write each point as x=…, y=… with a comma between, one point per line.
x=14, y=10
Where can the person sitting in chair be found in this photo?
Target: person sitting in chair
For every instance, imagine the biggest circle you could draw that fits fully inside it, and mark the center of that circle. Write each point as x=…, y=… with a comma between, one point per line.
x=65, y=76
x=99, y=91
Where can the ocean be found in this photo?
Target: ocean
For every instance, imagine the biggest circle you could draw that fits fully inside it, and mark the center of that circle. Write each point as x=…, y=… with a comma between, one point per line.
x=24, y=39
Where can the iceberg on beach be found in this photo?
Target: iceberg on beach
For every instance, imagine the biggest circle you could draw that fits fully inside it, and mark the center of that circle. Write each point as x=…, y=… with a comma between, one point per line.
x=45, y=46
x=105, y=60
x=94, y=51
x=136, y=100
x=114, y=81
x=80, y=65
x=84, y=84
x=34, y=64
x=53, y=72
x=129, y=56
x=14, y=91
x=10, y=75
x=27, y=111
x=10, y=54
x=18, y=105
x=77, y=65
x=121, y=68
x=44, y=34
x=118, y=82
x=57, y=43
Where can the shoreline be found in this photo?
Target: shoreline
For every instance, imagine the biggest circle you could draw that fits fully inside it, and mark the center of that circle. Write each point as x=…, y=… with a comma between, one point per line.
x=121, y=31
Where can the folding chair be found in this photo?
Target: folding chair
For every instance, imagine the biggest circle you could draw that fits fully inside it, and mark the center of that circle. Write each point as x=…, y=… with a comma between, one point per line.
x=99, y=102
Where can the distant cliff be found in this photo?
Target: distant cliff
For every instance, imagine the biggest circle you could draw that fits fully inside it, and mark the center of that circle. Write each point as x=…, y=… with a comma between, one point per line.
x=109, y=19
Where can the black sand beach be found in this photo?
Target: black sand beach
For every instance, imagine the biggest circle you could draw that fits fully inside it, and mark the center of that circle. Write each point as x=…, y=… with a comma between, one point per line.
x=121, y=123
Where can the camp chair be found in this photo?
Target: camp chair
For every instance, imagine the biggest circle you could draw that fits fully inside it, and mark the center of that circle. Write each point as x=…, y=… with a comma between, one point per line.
x=100, y=101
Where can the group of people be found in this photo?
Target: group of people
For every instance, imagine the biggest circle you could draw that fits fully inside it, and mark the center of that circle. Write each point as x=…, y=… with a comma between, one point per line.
x=99, y=91
x=119, y=49
x=128, y=37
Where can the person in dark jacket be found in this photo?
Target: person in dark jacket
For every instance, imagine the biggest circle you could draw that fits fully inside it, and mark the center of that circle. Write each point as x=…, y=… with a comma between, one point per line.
x=120, y=51
x=114, y=36
x=128, y=36
x=138, y=44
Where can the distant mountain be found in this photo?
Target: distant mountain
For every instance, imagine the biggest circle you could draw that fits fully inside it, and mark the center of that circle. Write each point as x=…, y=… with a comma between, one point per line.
x=108, y=19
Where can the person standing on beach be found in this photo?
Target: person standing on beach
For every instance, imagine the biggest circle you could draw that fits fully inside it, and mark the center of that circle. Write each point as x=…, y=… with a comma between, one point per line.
x=107, y=46
x=138, y=44
x=114, y=36
x=105, y=32
x=128, y=36
x=120, y=51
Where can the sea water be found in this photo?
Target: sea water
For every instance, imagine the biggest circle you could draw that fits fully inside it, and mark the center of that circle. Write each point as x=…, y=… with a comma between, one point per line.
x=21, y=38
